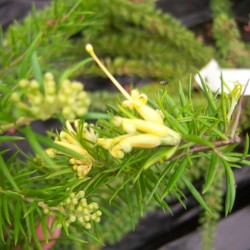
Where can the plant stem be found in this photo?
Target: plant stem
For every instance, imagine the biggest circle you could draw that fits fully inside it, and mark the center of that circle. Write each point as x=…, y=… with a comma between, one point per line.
x=201, y=148
x=19, y=122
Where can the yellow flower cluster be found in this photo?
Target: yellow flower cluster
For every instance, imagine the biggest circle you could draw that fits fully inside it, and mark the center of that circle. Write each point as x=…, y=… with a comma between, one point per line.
x=149, y=131
x=69, y=100
x=76, y=208
x=69, y=138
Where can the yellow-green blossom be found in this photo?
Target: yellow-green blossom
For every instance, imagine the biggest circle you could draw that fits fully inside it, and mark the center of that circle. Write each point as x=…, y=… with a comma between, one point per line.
x=125, y=143
x=148, y=132
x=167, y=135
x=69, y=99
x=138, y=102
x=69, y=138
x=76, y=208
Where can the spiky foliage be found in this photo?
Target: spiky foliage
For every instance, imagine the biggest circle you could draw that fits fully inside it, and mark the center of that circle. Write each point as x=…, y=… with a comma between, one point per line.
x=137, y=179
x=227, y=35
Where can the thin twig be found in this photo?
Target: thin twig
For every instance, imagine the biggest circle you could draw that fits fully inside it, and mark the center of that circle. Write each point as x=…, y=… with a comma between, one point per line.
x=19, y=122
x=237, y=117
x=202, y=148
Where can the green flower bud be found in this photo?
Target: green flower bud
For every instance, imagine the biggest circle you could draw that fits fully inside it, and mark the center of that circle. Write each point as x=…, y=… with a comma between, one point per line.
x=15, y=97
x=48, y=76
x=23, y=83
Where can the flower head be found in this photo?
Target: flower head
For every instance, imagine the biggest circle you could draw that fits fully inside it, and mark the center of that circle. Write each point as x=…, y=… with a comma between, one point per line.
x=69, y=99
x=147, y=132
x=70, y=138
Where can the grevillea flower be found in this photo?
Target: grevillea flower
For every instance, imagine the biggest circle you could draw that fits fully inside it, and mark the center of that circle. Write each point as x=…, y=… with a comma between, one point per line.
x=149, y=131
x=69, y=138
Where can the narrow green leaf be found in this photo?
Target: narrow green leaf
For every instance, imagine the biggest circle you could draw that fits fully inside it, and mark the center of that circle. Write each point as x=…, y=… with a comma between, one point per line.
x=1, y=232
x=60, y=172
x=27, y=56
x=196, y=194
x=92, y=181
x=210, y=172
x=91, y=236
x=245, y=162
x=6, y=208
x=208, y=94
x=55, y=8
x=182, y=96
x=69, y=72
x=119, y=189
x=172, y=106
x=103, y=179
x=37, y=71
x=130, y=205
x=199, y=140
x=232, y=158
x=223, y=103
x=138, y=174
x=65, y=227
x=231, y=188
x=162, y=176
x=27, y=221
x=175, y=124
x=157, y=198
x=33, y=231
x=17, y=220
x=7, y=174
x=176, y=176
x=1, y=220
x=5, y=138
x=25, y=175
x=74, y=238
x=44, y=228
x=138, y=191
x=30, y=209
x=161, y=154
x=32, y=138
x=211, y=127
x=178, y=196
x=246, y=149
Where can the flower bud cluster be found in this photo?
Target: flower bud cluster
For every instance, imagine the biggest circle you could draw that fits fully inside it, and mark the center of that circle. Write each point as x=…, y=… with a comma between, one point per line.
x=77, y=208
x=69, y=99
x=71, y=138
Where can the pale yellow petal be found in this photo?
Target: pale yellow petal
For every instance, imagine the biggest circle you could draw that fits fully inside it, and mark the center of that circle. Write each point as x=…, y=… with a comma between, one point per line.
x=149, y=114
x=142, y=141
